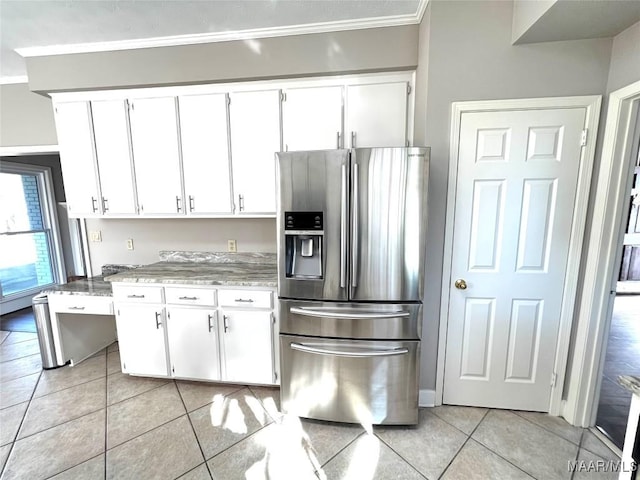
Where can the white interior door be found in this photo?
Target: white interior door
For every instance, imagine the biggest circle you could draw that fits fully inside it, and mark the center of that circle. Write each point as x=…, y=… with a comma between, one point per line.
x=205, y=153
x=312, y=118
x=154, y=134
x=111, y=131
x=376, y=115
x=255, y=139
x=514, y=204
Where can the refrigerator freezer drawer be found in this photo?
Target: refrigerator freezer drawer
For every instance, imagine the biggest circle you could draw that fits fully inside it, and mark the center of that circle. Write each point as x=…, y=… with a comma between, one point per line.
x=354, y=381
x=369, y=321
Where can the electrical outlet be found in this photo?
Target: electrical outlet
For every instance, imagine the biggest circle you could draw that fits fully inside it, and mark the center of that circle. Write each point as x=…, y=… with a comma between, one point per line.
x=231, y=246
x=129, y=243
x=95, y=236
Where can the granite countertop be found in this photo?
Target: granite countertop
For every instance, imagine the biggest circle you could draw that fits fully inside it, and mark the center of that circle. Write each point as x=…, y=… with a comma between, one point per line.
x=201, y=268
x=88, y=286
x=631, y=383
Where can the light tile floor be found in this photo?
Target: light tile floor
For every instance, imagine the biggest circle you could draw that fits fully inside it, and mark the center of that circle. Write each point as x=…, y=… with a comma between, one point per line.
x=92, y=422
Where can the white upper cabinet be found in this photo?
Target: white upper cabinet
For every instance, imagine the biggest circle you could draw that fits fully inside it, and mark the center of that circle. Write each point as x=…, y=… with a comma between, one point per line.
x=255, y=138
x=376, y=115
x=156, y=155
x=205, y=153
x=312, y=118
x=77, y=158
x=111, y=131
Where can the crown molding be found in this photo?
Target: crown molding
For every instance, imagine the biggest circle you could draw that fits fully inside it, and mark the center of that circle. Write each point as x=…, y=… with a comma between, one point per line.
x=10, y=80
x=199, y=38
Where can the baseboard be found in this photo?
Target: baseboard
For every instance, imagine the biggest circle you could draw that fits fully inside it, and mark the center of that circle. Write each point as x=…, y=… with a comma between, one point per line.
x=427, y=398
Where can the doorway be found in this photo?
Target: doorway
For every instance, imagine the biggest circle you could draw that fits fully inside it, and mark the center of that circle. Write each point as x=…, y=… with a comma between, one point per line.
x=622, y=355
x=29, y=238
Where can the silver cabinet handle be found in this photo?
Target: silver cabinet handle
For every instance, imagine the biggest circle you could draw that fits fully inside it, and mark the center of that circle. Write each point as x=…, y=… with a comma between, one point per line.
x=346, y=353
x=178, y=207
x=191, y=203
x=352, y=314
x=76, y=308
x=354, y=227
x=188, y=298
x=241, y=202
x=209, y=319
x=343, y=228
x=105, y=206
x=353, y=139
x=135, y=296
x=94, y=204
x=225, y=324
x=158, y=322
x=338, y=140
x=242, y=300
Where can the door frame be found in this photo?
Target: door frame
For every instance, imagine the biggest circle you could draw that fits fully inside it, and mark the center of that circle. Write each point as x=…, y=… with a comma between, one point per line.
x=592, y=105
x=602, y=256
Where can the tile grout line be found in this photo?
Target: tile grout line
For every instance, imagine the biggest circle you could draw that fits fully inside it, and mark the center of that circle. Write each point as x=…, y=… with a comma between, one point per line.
x=452, y=425
x=74, y=466
x=496, y=453
x=573, y=474
x=13, y=442
x=106, y=408
x=401, y=457
x=193, y=430
x=463, y=444
x=343, y=448
x=543, y=427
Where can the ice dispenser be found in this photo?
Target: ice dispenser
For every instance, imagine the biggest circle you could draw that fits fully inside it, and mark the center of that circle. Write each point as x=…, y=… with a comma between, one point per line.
x=303, y=233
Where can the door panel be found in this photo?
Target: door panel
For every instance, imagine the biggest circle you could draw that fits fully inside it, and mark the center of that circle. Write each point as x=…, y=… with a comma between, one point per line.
x=205, y=153
x=515, y=197
x=388, y=215
x=315, y=182
x=111, y=130
x=366, y=382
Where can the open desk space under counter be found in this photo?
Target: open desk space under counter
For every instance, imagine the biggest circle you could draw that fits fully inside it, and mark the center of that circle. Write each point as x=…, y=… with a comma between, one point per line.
x=199, y=316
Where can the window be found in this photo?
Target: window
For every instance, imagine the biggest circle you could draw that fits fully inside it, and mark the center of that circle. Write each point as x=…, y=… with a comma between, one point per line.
x=29, y=243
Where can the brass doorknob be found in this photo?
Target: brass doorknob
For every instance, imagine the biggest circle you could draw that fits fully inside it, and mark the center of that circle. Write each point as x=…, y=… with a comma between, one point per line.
x=461, y=284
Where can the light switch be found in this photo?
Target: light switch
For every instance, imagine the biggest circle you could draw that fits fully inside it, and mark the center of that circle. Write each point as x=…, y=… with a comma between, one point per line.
x=95, y=236
x=231, y=246
x=129, y=243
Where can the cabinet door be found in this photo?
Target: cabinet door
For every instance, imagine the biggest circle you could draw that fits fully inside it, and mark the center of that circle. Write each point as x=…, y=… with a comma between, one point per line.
x=247, y=339
x=192, y=336
x=205, y=153
x=255, y=138
x=154, y=134
x=312, y=118
x=77, y=157
x=141, y=339
x=376, y=115
x=111, y=131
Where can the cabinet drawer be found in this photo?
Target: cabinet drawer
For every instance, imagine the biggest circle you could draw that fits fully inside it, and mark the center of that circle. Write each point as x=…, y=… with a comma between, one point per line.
x=136, y=294
x=245, y=298
x=190, y=296
x=81, y=304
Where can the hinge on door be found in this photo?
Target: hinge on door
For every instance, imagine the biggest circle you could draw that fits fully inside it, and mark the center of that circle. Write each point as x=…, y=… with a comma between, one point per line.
x=228, y=100
x=408, y=143
x=173, y=369
x=273, y=318
x=118, y=312
x=408, y=89
x=124, y=365
x=275, y=377
x=283, y=96
x=554, y=378
x=169, y=315
x=583, y=138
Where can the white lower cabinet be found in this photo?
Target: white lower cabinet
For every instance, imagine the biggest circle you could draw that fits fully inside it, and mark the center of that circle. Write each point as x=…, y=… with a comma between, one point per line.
x=141, y=339
x=192, y=337
x=247, y=346
x=189, y=336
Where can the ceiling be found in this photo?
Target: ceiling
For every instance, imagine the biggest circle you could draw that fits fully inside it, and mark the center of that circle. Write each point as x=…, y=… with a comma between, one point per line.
x=65, y=26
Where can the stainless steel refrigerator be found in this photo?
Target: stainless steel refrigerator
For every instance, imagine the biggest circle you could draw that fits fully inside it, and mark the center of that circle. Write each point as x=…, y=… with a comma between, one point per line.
x=351, y=258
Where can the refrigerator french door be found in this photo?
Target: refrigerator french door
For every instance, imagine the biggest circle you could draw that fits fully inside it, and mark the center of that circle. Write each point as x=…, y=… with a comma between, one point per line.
x=351, y=243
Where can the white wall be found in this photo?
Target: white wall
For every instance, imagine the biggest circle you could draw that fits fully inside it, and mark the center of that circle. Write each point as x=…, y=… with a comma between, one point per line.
x=152, y=235
x=26, y=118
x=625, y=59
x=471, y=58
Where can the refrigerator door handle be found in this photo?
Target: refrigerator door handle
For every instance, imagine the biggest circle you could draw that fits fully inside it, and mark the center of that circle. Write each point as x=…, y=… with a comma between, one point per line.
x=343, y=229
x=348, y=353
x=354, y=227
x=352, y=314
